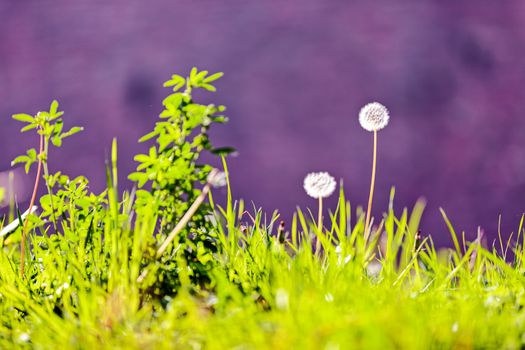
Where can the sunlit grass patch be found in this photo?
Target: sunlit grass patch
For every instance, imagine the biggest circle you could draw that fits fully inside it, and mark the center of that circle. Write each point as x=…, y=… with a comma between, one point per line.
x=164, y=265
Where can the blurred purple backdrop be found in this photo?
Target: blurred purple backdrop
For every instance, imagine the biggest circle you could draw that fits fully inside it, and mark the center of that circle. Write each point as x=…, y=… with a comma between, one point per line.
x=296, y=75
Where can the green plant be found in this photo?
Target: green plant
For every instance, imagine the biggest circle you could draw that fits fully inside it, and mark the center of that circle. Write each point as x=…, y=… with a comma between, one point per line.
x=49, y=127
x=171, y=167
x=170, y=171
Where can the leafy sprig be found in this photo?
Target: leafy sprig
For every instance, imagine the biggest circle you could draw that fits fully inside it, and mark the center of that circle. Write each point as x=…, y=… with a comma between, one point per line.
x=48, y=124
x=168, y=174
x=49, y=127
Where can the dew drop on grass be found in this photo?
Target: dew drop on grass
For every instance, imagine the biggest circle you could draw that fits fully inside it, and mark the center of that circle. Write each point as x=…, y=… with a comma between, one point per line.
x=24, y=338
x=329, y=297
x=281, y=299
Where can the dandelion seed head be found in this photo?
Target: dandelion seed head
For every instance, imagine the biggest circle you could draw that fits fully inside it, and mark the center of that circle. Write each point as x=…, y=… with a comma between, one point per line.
x=217, y=178
x=373, y=269
x=373, y=116
x=319, y=185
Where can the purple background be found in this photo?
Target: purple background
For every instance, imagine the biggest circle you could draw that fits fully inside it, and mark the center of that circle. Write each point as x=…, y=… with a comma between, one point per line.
x=296, y=75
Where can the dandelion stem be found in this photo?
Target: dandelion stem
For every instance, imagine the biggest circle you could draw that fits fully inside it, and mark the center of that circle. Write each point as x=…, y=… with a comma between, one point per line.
x=32, y=202
x=319, y=225
x=372, y=185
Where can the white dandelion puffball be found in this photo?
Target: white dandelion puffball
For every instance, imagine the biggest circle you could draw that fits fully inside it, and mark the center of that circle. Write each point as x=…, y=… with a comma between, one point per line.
x=373, y=116
x=217, y=178
x=319, y=185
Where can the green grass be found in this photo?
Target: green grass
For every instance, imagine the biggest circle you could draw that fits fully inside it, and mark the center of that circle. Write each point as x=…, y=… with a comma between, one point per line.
x=82, y=291
x=232, y=278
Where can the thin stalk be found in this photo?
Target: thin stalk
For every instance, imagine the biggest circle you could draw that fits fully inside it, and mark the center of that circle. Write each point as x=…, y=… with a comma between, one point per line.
x=32, y=202
x=319, y=225
x=11, y=188
x=46, y=174
x=184, y=220
x=372, y=185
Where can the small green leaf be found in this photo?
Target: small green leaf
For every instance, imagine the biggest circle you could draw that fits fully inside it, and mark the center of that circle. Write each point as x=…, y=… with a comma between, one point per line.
x=166, y=114
x=142, y=158
x=202, y=74
x=141, y=178
x=209, y=87
x=219, y=118
x=193, y=73
x=199, y=77
x=176, y=81
x=31, y=153
x=213, y=77
x=26, y=118
x=20, y=159
x=56, y=141
x=148, y=136
x=28, y=127
x=29, y=158
x=54, y=107
x=143, y=195
x=72, y=131
x=152, y=153
x=57, y=129
x=173, y=100
x=55, y=116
